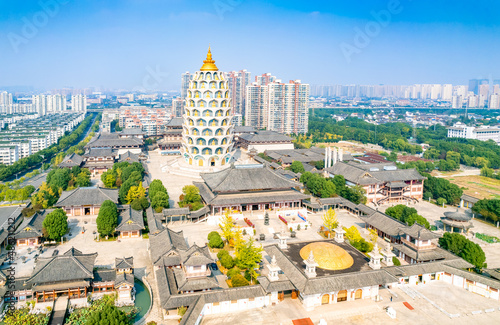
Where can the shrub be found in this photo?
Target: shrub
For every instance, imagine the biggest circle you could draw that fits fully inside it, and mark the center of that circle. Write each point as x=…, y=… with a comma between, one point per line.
x=227, y=261
x=221, y=254
x=396, y=261
x=239, y=281
x=212, y=233
x=216, y=242
x=232, y=272
x=441, y=201
x=140, y=204
x=427, y=195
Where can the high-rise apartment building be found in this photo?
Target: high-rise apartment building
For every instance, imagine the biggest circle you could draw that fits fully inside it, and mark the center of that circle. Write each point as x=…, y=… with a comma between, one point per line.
x=46, y=104
x=447, y=92
x=177, y=106
x=475, y=83
x=265, y=79
x=79, y=103
x=185, y=79
x=494, y=102
x=277, y=106
x=238, y=81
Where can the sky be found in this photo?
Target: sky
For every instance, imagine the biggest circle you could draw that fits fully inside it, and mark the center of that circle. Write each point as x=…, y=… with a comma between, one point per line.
x=148, y=44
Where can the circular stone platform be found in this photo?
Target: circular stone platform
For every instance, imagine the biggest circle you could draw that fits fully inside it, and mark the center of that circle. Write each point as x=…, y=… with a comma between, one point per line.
x=328, y=256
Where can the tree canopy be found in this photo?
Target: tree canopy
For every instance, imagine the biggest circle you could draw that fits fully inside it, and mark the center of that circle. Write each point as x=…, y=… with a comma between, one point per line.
x=107, y=219
x=407, y=215
x=191, y=198
x=297, y=167
x=464, y=248
x=55, y=224
x=488, y=208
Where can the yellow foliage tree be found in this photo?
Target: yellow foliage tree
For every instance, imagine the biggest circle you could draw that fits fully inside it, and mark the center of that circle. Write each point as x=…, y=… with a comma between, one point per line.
x=373, y=235
x=330, y=220
x=135, y=192
x=352, y=234
x=226, y=226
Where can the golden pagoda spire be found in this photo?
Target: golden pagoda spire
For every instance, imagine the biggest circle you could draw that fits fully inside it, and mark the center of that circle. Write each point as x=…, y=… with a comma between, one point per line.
x=209, y=64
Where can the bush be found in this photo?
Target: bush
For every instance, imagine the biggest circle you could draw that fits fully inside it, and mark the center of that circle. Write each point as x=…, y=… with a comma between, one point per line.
x=427, y=195
x=239, y=281
x=216, y=242
x=441, y=201
x=212, y=234
x=221, y=254
x=232, y=272
x=227, y=261
x=140, y=204
x=396, y=261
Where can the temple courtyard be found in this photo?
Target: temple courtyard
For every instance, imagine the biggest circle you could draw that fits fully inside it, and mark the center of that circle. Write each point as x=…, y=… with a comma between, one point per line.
x=456, y=306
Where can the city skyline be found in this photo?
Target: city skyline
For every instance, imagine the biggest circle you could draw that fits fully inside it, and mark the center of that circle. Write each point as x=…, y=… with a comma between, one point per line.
x=59, y=43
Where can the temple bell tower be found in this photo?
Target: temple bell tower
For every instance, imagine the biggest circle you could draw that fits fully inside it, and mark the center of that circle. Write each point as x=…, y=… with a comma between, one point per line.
x=207, y=133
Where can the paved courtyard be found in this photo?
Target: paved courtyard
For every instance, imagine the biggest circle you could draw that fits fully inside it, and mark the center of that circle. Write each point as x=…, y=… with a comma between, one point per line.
x=173, y=183
x=451, y=299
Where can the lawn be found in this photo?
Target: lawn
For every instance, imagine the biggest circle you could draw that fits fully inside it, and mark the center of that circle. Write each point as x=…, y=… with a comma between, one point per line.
x=478, y=186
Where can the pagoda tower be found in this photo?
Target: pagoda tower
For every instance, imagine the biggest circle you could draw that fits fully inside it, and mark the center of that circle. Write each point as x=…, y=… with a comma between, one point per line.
x=207, y=133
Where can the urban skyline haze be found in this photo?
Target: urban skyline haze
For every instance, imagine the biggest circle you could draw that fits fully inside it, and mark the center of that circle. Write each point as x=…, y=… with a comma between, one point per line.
x=125, y=44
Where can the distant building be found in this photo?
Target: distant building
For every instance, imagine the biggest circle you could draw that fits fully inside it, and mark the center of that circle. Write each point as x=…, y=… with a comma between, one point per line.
x=278, y=106
x=79, y=103
x=265, y=140
x=383, y=183
x=238, y=82
x=185, y=79
x=460, y=130
x=177, y=107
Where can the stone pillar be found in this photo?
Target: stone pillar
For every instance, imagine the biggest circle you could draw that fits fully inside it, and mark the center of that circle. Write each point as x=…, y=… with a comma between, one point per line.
x=335, y=155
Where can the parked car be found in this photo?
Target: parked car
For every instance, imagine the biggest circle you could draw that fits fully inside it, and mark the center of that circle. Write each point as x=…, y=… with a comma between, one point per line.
x=55, y=252
x=213, y=266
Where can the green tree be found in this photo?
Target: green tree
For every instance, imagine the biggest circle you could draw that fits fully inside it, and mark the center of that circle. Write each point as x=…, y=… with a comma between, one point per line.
x=83, y=179
x=190, y=197
x=59, y=178
x=24, y=316
x=239, y=281
x=140, y=204
x=481, y=162
x=215, y=241
x=297, y=167
x=487, y=172
x=160, y=201
x=248, y=256
x=155, y=187
x=55, y=224
x=107, y=219
x=109, y=314
x=464, y=248
x=108, y=179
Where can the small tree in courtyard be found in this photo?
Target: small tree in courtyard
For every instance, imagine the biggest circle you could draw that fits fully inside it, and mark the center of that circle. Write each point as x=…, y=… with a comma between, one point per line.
x=330, y=220
x=55, y=224
x=160, y=201
x=107, y=220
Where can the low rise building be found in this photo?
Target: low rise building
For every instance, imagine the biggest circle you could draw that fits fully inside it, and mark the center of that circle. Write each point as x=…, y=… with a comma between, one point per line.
x=85, y=201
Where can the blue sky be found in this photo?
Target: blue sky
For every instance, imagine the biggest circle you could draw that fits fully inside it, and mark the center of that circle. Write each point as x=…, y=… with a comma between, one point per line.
x=136, y=44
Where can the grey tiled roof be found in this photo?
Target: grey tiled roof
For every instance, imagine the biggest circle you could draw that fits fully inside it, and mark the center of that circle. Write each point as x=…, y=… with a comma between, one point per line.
x=104, y=275
x=32, y=227
x=196, y=255
x=265, y=137
x=194, y=284
x=124, y=278
x=385, y=223
x=101, y=152
x=71, y=160
x=420, y=232
x=155, y=225
x=113, y=140
x=87, y=196
x=235, y=179
x=175, y=212
x=70, y=266
x=362, y=175
x=128, y=157
x=469, y=198
x=124, y=262
x=165, y=242
x=424, y=255
x=175, y=122
x=130, y=220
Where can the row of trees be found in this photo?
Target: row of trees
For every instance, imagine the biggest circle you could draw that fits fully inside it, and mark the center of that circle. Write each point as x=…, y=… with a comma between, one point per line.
x=436, y=188
x=331, y=187
x=128, y=177
x=26, y=163
x=17, y=194
x=158, y=195
x=464, y=248
x=489, y=209
x=407, y=215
